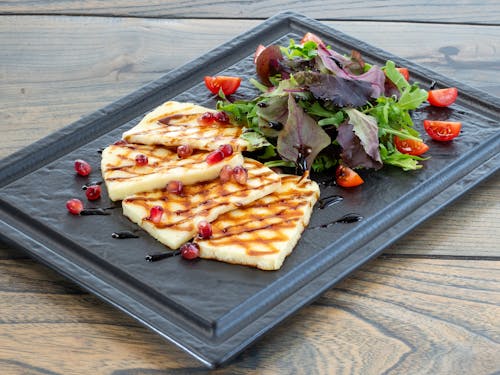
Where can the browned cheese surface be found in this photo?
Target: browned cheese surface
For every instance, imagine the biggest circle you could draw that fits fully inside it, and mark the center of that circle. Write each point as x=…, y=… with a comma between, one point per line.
x=430, y=305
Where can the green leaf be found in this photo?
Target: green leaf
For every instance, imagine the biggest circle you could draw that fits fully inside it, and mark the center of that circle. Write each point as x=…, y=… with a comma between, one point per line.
x=398, y=159
x=323, y=162
x=254, y=140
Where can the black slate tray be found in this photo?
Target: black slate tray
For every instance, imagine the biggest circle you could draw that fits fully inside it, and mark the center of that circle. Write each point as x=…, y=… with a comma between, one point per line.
x=214, y=310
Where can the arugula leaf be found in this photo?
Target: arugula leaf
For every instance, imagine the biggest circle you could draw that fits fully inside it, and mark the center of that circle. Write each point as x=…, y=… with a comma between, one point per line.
x=240, y=111
x=407, y=162
x=307, y=51
x=323, y=162
x=411, y=95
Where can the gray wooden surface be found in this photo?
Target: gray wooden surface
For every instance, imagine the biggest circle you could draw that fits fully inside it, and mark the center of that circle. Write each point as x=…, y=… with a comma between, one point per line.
x=429, y=306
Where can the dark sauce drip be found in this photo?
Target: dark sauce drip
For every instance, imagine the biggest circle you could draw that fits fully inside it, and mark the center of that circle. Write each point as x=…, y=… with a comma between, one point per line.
x=301, y=164
x=329, y=201
x=166, y=120
x=123, y=235
x=85, y=186
x=159, y=256
x=94, y=211
x=349, y=218
x=275, y=125
x=346, y=219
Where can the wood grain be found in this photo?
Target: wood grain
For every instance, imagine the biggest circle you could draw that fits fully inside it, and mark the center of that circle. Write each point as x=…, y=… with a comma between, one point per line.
x=488, y=11
x=404, y=313
x=44, y=85
x=466, y=228
x=412, y=316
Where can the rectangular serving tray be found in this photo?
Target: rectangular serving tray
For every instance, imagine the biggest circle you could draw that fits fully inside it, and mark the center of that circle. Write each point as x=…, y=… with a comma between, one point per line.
x=214, y=310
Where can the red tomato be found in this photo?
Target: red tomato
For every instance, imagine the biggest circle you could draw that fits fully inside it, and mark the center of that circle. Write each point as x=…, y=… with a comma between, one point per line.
x=410, y=146
x=258, y=51
x=229, y=85
x=346, y=177
x=442, y=130
x=404, y=72
x=310, y=37
x=442, y=97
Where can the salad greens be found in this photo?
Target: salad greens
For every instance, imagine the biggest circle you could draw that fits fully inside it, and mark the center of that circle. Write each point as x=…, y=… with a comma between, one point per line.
x=319, y=108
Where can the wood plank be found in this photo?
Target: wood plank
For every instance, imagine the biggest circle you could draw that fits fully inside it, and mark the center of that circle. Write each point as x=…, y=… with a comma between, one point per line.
x=467, y=228
x=45, y=85
x=393, y=315
x=488, y=11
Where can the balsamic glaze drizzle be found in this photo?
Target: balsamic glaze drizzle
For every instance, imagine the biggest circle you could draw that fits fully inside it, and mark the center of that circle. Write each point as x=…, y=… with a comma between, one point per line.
x=329, y=201
x=346, y=219
x=123, y=235
x=85, y=186
x=94, y=211
x=301, y=164
x=159, y=256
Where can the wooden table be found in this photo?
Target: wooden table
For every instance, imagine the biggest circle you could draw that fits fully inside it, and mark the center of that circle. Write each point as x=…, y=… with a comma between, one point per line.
x=429, y=305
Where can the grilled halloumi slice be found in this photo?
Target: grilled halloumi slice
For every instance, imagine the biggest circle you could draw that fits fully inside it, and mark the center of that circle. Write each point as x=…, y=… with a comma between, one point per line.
x=202, y=201
x=264, y=232
x=123, y=177
x=175, y=123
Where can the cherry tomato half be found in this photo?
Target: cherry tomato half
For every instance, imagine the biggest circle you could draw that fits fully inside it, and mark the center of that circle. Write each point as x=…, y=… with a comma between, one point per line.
x=228, y=84
x=310, y=37
x=346, y=177
x=442, y=130
x=404, y=72
x=442, y=97
x=410, y=146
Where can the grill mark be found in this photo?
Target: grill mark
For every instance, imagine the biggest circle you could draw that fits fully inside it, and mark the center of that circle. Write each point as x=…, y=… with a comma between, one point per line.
x=291, y=213
x=247, y=243
x=152, y=168
x=165, y=120
x=207, y=204
x=208, y=193
x=290, y=203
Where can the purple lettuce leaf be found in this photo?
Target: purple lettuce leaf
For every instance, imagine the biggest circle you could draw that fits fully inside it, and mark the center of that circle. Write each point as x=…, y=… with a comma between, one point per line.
x=358, y=138
x=340, y=91
x=302, y=138
x=375, y=76
x=268, y=64
x=272, y=115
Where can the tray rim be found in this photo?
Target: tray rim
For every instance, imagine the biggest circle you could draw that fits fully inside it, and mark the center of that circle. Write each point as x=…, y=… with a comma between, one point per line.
x=291, y=22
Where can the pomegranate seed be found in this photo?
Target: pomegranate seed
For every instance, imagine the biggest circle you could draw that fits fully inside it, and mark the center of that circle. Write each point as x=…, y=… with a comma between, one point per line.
x=214, y=157
x=184, y=151
x=155, y=214
x=175, y=187
x=120, y=142
x=190, y=250
x=207, y=118
x=141, y=159
x=204, y=229
x=82, y=167
x=225, y=173
x=240, y=175
x=222, y=117
x=74, y=206
x=93, y=192
x=226, y=149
